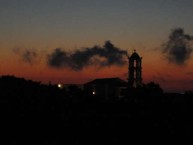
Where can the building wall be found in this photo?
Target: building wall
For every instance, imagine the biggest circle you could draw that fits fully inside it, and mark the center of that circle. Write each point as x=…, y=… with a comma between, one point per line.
x=103, y=90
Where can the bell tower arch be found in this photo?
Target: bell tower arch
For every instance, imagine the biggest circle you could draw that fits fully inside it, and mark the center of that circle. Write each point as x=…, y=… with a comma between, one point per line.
x=135, y=70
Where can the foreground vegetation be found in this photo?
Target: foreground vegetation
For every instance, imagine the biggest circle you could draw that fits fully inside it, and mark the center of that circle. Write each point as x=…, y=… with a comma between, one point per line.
x=32, y=113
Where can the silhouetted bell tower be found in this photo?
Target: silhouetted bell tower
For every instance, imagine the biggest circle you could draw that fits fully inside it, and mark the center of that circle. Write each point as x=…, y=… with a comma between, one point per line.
x=135, y=70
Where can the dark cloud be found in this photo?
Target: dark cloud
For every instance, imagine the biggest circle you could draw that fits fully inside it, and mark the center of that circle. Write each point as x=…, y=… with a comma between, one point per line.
x=101, y=56
x=27, y=55
x=178, y=48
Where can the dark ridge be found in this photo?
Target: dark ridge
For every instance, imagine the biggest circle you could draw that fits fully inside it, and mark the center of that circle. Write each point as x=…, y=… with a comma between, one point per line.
x=34, y=113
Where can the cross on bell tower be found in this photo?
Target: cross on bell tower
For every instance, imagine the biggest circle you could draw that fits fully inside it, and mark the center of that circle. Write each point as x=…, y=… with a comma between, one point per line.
x=135, y=70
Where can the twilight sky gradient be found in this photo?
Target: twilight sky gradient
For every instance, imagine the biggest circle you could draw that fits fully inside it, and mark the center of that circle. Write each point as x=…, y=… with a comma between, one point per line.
x=41, y=26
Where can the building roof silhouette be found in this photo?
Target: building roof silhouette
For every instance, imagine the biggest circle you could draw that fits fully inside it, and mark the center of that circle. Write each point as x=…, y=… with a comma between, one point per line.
x=109, y=81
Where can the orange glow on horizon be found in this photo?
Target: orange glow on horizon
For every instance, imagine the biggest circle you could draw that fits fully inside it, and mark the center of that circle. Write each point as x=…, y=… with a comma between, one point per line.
x=154, y=68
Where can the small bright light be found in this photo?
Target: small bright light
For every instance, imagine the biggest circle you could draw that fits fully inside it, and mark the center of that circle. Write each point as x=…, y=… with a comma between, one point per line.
x=59, y=85
x=93, y=92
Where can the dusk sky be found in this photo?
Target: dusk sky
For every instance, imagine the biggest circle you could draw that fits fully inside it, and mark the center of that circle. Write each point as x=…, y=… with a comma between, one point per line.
x=31, y=30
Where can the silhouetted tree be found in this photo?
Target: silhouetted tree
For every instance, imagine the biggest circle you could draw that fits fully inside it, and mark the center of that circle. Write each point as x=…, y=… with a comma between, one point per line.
x=154, y=88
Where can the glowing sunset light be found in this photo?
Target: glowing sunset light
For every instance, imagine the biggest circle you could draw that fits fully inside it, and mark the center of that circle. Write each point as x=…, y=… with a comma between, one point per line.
x=73, y=42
